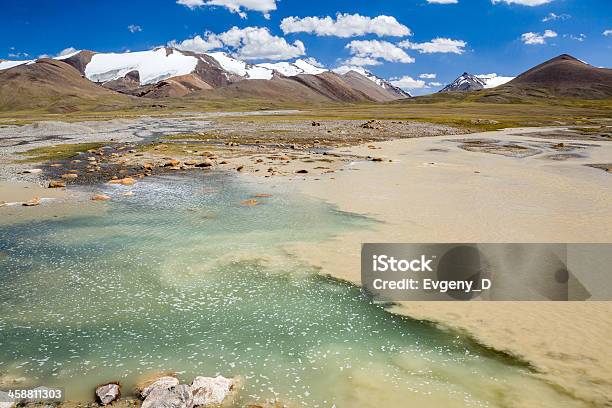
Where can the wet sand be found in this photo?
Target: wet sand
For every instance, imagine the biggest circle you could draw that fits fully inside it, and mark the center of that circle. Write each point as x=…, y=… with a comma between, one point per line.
x=433, y=190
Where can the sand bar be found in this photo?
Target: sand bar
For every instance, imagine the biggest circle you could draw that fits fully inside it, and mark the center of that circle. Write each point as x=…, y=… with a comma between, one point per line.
x=433, y=190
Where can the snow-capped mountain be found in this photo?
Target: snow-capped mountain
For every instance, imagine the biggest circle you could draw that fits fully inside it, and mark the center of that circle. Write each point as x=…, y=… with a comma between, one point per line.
x=169, y=72
x=468, y=82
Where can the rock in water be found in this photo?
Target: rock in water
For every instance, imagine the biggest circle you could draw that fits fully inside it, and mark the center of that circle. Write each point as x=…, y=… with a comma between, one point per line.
x=176, y=397
x=165, y=383
x=208, y=391
x=108, y=393
x=100, y=197
x=31, y=203
x=56, y=184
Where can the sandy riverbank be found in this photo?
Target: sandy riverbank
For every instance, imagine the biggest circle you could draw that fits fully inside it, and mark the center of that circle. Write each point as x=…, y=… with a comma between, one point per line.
x=507, y=186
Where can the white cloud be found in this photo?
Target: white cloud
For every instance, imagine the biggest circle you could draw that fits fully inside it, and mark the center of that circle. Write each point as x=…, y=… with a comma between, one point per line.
x=553, y=17
x=362, y=61
x=345, y=25
x=21, y=54
x=435, y=84
x=250, y=43
x=133, y=28
x=370, y=52
x=443, y=1
x=408, y=83
x=437, y=45
x=428, y=76
x=530, y=3
x=579, y=37
x=607, y=33
x=198, y=44
x=537, y=38
x=235, y=6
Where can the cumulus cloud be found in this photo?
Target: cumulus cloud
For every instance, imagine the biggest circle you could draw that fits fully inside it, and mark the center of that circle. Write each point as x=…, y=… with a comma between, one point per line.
x=198, y=44
x=345, y=25
x=133, y=28
x=437, y=45
x=371, y=52
x=537, y=38
x=435, y=84
x=553, y=17
x=408, y=83
x=443, y=1
x=234, y=6
x=250, y=43
x=530, y=3
x=427, y=76
x=607, y=33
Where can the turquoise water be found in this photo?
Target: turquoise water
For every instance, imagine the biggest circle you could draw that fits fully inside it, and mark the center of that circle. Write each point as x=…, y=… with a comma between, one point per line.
x=182, y=277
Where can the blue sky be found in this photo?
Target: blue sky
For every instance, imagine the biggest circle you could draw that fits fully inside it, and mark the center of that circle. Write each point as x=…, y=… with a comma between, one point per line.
x=478, y=36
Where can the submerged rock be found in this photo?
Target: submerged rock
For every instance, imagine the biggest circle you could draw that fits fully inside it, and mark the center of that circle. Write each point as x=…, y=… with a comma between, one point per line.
x=108, y=393
x=100, y=197
x=209, y=391
x=250, y=202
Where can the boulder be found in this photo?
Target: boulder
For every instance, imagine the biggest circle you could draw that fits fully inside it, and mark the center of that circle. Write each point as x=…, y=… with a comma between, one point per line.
x=127, y=181
x=165, y=382
x=209, y=391
x=175, y=397
x=205, y=163
x=31, y=203
x=33, y=171
x=69, y=176
x=105, y=394
x=56, y=184
x=171, y=163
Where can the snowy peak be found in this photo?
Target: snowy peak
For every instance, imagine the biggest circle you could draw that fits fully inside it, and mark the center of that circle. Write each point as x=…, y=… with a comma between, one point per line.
x=265, y=70
x=468, y=82
x=153, y=66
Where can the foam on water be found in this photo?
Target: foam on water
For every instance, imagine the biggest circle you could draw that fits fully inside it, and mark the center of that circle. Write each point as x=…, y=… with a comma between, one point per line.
x=182, y=277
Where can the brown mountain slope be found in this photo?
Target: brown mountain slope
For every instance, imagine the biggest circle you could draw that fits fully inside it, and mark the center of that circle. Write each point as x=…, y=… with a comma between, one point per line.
x=54, y=86
x=325, y=87
x=332, y=87
x=563, y=76
x=275, y=90
x=374, y=91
